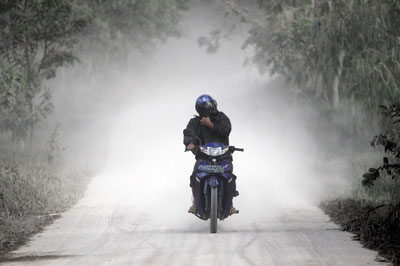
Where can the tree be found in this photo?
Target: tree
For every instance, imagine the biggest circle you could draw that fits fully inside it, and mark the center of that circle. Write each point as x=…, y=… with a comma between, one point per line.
x=37, y=37
x=390, y=141
x=340, y=53
x=120, y=27
x=13, y=103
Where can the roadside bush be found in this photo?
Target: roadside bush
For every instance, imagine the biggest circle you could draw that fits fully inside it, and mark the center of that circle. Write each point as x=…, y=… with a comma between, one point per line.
x=375, y=225
x=373, y=212
x=31, y=195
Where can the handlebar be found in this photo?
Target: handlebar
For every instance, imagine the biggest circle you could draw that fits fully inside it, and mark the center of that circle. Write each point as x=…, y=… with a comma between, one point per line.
x=195, y=149
x=231, y=149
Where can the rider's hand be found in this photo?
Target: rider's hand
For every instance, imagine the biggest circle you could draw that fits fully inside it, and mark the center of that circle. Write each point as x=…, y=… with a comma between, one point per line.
x=190, y=146
x=206, y=121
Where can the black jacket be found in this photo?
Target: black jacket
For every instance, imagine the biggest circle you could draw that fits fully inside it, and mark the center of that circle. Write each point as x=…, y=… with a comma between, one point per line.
x=220, y=132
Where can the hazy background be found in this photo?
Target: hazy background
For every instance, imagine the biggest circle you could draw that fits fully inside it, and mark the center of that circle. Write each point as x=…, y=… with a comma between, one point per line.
x=127, y=129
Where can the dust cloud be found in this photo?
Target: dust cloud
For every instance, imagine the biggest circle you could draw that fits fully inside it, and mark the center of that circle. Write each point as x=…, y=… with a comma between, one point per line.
x=147, y=171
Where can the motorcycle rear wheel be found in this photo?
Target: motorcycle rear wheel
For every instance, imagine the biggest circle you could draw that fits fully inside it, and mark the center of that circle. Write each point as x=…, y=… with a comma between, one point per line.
x=214, y=210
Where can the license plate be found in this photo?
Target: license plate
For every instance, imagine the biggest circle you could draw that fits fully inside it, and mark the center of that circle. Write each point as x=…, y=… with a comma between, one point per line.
x=215, y=169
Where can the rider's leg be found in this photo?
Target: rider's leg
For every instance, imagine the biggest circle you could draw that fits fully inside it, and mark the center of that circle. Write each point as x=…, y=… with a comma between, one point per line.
x=235, y=192
x=194, y=194
x=192, y=209
x=194, y=173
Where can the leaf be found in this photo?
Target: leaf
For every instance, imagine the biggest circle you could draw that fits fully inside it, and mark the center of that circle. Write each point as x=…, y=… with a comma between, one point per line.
x=367, y=182
x=385, y=160
x=375, y=174
x=367, y=175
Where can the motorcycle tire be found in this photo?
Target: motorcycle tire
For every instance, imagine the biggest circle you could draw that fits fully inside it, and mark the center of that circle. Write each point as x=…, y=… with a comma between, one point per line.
x=214, y=210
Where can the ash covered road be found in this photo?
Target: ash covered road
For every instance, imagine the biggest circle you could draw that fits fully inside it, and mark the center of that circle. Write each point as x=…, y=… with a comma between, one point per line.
x=102, y=231
x=134, y=212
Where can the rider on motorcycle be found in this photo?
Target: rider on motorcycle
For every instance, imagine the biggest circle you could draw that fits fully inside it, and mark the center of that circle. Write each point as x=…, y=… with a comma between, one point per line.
x=210, y=125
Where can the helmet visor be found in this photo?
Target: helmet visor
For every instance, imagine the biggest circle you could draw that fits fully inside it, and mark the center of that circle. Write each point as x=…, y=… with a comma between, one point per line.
x=206, y=109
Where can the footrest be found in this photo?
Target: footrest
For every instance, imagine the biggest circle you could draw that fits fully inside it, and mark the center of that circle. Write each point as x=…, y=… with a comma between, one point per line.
x=192, y=210
x=233, y=212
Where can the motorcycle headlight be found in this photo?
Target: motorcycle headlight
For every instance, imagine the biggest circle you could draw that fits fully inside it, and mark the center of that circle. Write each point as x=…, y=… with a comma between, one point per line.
x=210, y=151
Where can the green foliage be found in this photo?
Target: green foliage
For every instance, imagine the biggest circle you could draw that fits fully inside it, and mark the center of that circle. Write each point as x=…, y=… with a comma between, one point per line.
x=376, y=225
x=336, y=52
x=36, y=38
x=119, y=27
x=30, y=197
x=54, y=148
x=390, y=140
x=212, y=43
x=39, y=36
x=14, y=102
x=34, y=189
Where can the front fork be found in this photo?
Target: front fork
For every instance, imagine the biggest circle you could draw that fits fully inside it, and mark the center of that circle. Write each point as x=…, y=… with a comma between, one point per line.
x=208, y=202
x=220, y=211
x=219, y=203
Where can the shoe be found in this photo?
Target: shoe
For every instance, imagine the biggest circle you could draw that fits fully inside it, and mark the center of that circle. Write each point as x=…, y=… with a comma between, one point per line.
x=236, y=193
x=192, y=209
x=233, y=211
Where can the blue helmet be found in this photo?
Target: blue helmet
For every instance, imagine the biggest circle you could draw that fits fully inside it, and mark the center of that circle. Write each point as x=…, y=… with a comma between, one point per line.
x=206, y=105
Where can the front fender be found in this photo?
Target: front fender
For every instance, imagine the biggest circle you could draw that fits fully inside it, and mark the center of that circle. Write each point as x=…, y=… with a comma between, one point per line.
x=212, y=181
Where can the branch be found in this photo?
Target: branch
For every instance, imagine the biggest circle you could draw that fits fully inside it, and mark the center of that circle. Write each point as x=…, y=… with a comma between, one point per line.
x=45, y=49
x=25, y=5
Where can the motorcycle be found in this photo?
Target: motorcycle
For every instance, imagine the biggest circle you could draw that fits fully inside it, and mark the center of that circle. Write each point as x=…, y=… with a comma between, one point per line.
x=213, y=187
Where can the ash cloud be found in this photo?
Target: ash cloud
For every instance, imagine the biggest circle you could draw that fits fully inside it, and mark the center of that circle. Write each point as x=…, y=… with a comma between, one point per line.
x=137, y=133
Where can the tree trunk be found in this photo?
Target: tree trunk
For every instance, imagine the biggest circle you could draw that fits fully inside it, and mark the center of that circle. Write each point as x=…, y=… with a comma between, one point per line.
x=31, y=93
x=318, y=87
x=336, y=80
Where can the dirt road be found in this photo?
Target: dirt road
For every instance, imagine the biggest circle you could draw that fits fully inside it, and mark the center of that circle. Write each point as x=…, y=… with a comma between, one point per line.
x=137, y=214
x=105, y=229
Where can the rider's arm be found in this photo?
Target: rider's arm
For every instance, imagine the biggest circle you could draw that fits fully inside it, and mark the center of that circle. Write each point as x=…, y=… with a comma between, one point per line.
x=222, y=125
x=190, y=146
x=193, y=125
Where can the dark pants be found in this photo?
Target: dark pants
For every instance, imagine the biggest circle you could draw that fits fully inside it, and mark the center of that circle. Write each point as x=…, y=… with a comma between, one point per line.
x=196, y=166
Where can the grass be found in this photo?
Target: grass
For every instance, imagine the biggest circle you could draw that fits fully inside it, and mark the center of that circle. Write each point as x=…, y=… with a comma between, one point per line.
x=33, y=194
x=372, y=214
x=376, y=226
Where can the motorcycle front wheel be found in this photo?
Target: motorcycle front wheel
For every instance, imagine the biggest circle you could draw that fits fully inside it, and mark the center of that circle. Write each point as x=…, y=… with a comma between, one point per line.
x=214, y=210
